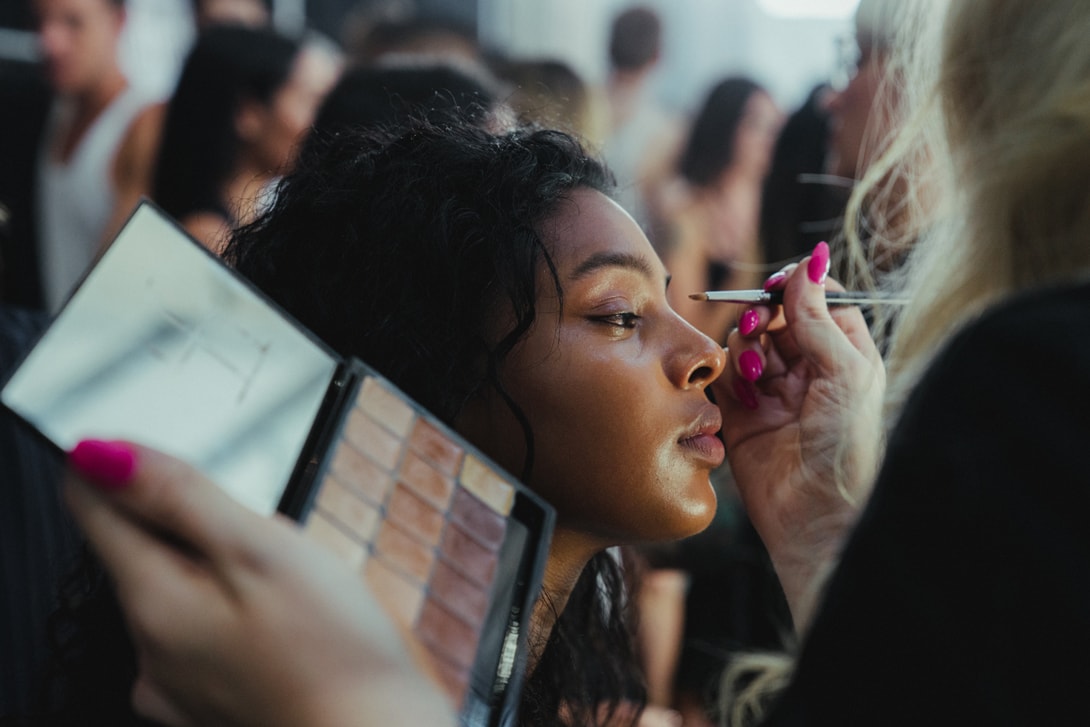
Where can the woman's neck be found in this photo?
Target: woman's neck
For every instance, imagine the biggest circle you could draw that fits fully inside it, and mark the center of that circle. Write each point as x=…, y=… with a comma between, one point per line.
x=569, y=553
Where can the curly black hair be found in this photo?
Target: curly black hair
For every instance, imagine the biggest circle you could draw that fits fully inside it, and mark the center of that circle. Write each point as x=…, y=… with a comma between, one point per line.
x=418, y=251
x=404, y=248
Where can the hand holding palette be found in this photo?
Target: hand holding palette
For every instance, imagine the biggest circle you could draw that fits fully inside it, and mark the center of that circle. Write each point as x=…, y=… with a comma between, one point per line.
x=162, y=344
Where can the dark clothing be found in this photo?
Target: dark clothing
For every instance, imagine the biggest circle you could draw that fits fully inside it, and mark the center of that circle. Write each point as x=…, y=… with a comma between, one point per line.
x=38, y=541
x=734, y=603
x=963, y=596
x=24, y=102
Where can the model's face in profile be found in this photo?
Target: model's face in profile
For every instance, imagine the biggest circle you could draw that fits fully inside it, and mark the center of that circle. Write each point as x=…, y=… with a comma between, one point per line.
x=612, y=382
x=857, y=115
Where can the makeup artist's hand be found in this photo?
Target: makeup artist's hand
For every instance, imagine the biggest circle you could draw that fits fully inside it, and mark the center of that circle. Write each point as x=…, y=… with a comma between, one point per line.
x=237, y=619
x=802, y=423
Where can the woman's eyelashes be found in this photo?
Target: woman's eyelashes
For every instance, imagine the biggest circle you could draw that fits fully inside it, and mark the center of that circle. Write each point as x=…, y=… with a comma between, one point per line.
x=625, y=320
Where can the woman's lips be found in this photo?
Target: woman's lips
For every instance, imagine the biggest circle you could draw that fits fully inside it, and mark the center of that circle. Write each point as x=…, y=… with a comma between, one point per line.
x=707, y=447
x=702, y=437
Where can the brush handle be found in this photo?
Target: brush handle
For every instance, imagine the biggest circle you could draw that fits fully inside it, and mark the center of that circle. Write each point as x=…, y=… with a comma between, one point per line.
x=775, y=297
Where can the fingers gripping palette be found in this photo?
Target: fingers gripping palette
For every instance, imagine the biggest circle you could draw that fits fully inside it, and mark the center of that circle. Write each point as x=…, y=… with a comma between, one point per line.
x=162, y=344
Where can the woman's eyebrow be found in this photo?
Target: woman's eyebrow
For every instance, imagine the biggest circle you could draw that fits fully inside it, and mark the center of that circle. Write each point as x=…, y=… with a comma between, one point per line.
x=601, y=260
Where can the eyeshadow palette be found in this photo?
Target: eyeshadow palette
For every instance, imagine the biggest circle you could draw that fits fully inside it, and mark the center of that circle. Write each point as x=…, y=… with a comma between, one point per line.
x=443, y=537
x=163, y=344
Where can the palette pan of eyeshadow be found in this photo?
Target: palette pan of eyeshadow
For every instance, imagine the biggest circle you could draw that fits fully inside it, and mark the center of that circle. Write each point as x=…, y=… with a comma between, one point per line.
x=161, y=343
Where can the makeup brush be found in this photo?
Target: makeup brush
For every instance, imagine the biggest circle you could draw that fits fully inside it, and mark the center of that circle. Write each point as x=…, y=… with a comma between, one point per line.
x=775, y=297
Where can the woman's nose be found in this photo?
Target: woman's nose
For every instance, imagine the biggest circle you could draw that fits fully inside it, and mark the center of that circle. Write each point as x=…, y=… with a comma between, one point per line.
x=698, y=361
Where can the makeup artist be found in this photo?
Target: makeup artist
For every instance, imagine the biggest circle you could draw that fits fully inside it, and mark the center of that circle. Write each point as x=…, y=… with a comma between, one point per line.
x=962, y=595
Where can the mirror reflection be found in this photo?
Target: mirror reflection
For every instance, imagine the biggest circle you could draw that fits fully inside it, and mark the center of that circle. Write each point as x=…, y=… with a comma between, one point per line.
x=163, y=344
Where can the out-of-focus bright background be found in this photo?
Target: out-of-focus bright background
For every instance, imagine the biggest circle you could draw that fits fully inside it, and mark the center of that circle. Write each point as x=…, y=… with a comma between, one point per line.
x=786, y=45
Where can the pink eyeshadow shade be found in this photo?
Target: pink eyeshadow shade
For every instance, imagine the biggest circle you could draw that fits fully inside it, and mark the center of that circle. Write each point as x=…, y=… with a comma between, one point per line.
x=360, y=474
x=400, y=597
x=426, y=481
x=466, y=555
x=463, y=598
x=385, y=406
x=415, y=514
x=340, y=505
x=433, y=445
x=371, y=439
x=404, y=552
x=479, y=479
x=325, y=532
x=446, y=634
x=477, y=519
x=454, y=679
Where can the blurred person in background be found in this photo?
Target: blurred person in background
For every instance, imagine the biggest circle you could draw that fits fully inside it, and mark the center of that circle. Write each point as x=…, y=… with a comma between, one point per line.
x=862, y=108
x=550, y=92
x=368, y=39
x=401, y=90
x=801, y=205
x=715, y=201
x=254, y=13
x=245, y=99
x=98, y=144
x=864, y=116
x=642, y=139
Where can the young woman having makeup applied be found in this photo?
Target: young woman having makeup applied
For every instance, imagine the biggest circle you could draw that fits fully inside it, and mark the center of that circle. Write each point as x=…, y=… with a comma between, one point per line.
x=493, y=279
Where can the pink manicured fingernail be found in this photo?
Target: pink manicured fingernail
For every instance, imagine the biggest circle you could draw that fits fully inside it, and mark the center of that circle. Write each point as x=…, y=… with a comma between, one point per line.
x=744, y=391
x=774, y=280
x=749, y=321
x=749, y=363
x=818, y=267
x=107, y=465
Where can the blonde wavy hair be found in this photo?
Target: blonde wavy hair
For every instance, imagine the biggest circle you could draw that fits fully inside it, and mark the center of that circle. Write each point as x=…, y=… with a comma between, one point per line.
x=997, y=157
x=983, y=192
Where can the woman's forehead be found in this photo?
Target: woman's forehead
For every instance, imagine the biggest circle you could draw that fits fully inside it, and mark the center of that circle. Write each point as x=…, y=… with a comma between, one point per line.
x=589, y=231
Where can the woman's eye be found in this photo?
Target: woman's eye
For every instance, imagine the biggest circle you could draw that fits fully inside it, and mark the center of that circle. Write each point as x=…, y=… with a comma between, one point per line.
x=621, y=320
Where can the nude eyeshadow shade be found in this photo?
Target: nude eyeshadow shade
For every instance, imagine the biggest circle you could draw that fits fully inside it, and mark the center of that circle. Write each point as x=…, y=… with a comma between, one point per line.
x=451, y=545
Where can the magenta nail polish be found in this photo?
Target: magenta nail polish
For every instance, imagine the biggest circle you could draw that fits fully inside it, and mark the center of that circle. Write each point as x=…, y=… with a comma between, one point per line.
x=774, y=280
x=749, y=321
x=818, y=267
x=743, y=390
x=749, y=363
x=107, y=465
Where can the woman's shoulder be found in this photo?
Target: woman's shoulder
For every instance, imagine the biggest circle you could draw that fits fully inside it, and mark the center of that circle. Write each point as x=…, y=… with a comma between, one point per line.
x=1072, y=297
x=1039, y=312
x=1036, y=330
